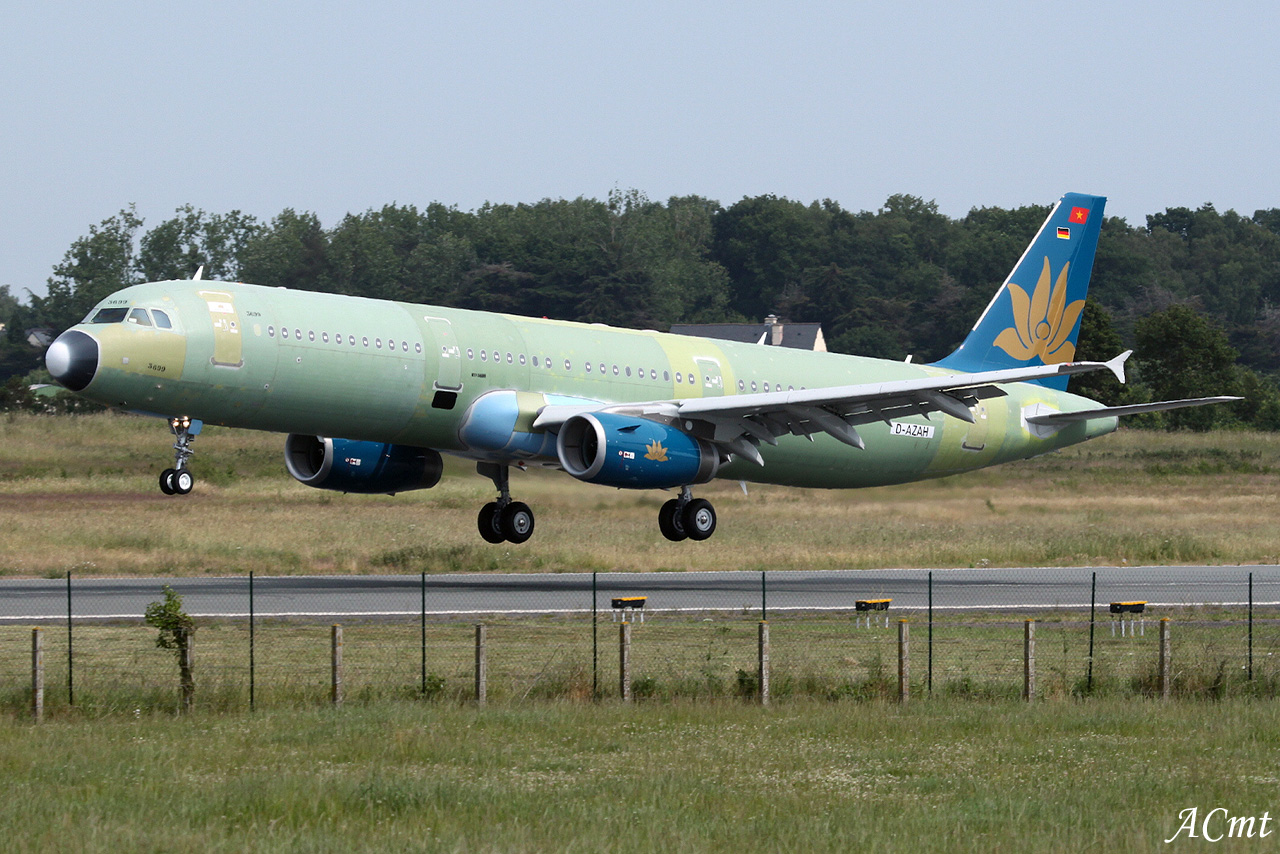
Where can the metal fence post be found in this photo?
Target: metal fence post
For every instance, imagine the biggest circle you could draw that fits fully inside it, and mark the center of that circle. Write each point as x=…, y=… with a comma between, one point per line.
x=37, y=675
x=764, y=596
x=595, y=640
x=71, y=684
x=423, y=620
x=1029, y=661
x=624, y=661
x=764, y=662
x=1093, y=607
x=1165, y=660
x=1251, y=627
x=252, y=647
x=482, y=669
x=335, y=648
x=930, y=675
x=904, y=673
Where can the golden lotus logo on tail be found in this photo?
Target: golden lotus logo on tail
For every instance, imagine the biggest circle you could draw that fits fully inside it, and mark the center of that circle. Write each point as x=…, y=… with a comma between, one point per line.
x=1042, y=322
x=656, y=452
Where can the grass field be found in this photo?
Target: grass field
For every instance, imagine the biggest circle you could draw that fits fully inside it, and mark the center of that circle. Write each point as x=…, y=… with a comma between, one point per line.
x=714, y=776
x=80, y=495
x=832, y=765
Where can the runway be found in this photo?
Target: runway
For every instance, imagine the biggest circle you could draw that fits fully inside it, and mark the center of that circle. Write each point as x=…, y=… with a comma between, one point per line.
x=337, y=597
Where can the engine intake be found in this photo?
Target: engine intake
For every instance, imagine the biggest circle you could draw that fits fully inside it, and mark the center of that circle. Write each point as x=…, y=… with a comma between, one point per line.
x=346, y=465
x=634, y=453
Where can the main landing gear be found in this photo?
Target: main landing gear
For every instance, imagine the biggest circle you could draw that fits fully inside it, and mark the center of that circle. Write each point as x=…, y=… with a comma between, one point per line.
x=687, y=517
x=503, y=520
x=179, y=480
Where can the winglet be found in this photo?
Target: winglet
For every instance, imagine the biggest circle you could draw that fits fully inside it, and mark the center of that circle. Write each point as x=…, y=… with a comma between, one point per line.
x=1116, y=365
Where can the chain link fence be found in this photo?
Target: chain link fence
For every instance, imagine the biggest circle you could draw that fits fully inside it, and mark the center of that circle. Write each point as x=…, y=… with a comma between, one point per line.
x=271, y=642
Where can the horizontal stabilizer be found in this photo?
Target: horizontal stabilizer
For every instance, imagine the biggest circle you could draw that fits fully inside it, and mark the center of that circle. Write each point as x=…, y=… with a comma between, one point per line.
x=1051, y=422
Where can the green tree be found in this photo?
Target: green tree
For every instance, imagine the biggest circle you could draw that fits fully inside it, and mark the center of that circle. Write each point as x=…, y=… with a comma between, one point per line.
x=1180, y=354
x=290, y=252
x=96, y=265
x=176, y=630
x=179, y=246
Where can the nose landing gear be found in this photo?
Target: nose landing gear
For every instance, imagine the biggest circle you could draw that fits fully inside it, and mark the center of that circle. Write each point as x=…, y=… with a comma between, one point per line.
x=179, y=480
x=503, y=520
x=687, y=517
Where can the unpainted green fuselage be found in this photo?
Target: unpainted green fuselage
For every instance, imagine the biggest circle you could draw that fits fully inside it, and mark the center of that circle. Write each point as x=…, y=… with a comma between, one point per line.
x=338, y=366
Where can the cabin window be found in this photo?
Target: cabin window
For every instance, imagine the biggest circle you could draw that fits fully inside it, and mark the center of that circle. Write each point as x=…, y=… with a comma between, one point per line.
x=377, y=342
x=602, y=371
x=666, y=376
x=522, y=360
x=471, y=354
x=311, y=335
x=568, y=366
x=417, y=348
x=628, y=370
x=742, y=386
x=324, y=337
x=588, y=367
x=364, y=340
x=297, y=333
x=284, y=332
x=679, y=377
x=509, y=359
x=271, y=332
x=615, y=370
x=753, y=385
x=766, y=387
x=351, y=340
x=497, y=357
x=535, y=361
x=110, y=315
x=484, y=356
x=162, y=319
x=653, y=373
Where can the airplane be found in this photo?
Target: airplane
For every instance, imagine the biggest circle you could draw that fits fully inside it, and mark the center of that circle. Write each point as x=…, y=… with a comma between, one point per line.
x=371, y=393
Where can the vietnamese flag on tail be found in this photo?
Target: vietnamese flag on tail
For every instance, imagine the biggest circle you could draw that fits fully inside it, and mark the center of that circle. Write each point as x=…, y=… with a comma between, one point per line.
x=1079, y=215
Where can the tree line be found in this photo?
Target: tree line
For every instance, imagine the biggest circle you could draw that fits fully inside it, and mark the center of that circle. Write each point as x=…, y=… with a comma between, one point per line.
x=1195, y=292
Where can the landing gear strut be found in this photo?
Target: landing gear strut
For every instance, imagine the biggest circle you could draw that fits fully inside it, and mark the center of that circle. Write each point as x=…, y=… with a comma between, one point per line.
x=179, y=480
x=503, y=520
x=687, y=517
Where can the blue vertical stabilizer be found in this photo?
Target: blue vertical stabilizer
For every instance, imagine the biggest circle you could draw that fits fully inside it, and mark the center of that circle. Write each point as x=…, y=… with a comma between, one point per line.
x=1035, y=316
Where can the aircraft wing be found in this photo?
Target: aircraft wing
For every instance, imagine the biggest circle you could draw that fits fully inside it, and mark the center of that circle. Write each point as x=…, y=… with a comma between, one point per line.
x=739, y=423
x=1046, y=423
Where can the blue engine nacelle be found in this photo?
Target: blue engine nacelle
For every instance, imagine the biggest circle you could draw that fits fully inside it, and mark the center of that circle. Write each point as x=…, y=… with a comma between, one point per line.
x=635, y=453
x=345, y=465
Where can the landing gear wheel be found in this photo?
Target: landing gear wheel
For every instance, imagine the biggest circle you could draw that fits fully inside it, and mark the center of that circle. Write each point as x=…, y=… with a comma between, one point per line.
x=669, y=522
x=166, y=481
x=699, y=519
x=517, y=522
x=487, y=522
x=183, y=481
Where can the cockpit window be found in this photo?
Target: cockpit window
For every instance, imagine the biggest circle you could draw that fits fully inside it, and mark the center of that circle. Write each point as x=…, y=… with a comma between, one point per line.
x=162, y=319
x=110, y=315
x=139, y=316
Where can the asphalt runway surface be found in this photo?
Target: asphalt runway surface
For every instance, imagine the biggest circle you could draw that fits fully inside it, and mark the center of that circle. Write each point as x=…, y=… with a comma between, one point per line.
x=337, y=597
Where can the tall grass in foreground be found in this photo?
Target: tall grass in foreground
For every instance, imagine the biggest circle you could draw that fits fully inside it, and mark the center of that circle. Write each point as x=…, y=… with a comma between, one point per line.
x=944, y=776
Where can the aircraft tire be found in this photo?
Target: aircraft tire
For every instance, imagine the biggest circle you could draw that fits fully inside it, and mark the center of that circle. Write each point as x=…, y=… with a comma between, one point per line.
x=183, y=482
x=166, y=481
x=669, y=522
x=487, y=522
x=699, y=519
x=517, y=522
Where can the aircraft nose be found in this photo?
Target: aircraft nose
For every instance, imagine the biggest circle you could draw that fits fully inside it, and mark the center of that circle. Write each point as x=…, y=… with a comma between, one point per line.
x=72, y=359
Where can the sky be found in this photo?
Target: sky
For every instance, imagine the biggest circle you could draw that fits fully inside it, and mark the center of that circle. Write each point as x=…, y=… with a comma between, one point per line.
x=338, y=107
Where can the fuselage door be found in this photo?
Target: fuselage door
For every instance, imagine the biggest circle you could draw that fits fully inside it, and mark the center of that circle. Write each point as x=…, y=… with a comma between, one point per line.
x=448, y=355
x=227, y=344
x=712, y=380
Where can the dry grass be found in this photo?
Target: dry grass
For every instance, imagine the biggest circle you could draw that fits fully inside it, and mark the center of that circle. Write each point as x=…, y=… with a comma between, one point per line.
x=79, y=494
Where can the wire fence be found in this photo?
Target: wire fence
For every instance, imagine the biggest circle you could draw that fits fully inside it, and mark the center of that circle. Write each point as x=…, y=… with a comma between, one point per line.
x=281, y=641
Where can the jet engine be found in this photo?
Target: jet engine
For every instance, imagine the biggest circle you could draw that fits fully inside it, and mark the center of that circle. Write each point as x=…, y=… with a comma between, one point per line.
x=345, y=465
x=634, y=453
